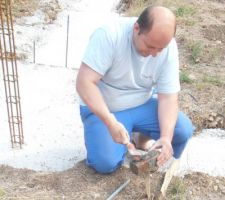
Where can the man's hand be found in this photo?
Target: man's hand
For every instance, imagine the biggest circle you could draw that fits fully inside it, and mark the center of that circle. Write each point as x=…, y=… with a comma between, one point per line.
x=118, y=131
x=166, y=150
x=87, y=80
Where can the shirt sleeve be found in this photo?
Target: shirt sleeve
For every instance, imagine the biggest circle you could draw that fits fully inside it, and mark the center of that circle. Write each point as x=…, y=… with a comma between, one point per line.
x=99, y=52
x=168, y=81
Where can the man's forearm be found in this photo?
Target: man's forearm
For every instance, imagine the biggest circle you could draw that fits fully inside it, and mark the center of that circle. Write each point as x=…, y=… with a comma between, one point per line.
x=167, y=112
x=92, y=97
x=89, y=92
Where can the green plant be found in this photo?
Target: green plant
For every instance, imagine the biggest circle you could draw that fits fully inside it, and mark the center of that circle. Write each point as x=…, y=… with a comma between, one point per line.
x=2, y=192
x=185, y=15
x=136, y=8
x=184, y=77
x=184, y=11
x=177, y=190
x=201, y=86
x=189, y=22
x=214, y=80
x=195, y=48
x=212, y=53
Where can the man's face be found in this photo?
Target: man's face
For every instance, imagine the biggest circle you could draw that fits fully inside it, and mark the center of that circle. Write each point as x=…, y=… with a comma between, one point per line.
x=149, y=43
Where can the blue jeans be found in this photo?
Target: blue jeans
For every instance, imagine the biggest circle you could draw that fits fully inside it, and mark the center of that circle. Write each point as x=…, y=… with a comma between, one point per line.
x=105, y=156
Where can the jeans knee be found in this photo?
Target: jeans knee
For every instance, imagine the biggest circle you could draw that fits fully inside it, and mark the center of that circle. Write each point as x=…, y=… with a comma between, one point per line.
x=105, y=165
x=184, y=129
x=187, y=131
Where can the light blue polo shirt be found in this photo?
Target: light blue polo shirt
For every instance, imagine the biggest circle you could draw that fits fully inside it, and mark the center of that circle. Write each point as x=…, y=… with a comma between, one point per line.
x=127, y=77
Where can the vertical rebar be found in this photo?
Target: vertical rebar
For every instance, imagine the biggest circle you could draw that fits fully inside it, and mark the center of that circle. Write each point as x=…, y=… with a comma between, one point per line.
x=17, y=91
x=34, y=51
x=5, y=69
x=67, y=38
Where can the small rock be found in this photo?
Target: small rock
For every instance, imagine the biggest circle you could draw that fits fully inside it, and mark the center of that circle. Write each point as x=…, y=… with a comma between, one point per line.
x=214, y=114
x=30, y=185
x=213, y=124
x=215, y=187
x=222, y=188
x=211, y=119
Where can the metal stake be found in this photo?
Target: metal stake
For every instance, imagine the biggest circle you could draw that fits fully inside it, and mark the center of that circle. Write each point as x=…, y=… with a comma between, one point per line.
x=67, y=38
x=113, y=195
x=34, y=53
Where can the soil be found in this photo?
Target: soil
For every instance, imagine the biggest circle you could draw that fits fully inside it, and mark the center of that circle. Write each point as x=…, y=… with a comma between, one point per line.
x=81, y=182
x=201, y=41
x=22, y=8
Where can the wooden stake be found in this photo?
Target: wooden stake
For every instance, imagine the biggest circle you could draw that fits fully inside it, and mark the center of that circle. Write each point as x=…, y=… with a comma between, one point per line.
x=169, y=175
x=148, y=186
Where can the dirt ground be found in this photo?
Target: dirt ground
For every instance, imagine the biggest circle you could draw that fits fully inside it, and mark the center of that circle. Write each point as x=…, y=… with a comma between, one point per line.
x=201, y=41
x=81, y=182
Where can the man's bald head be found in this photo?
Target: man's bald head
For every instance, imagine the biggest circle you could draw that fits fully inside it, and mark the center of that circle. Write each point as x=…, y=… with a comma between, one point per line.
x=154, y=30
x=157, y=17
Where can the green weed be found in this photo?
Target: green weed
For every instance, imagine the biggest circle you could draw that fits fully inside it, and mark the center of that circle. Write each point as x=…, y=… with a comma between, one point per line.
x=136, y=8
x=177, y=190
x=212, y=54
x=189, y=22
x=201, y=86
x=185, y=14
x=2, y=193
x=184, y=77
x=195, y=49
x=184, y=11
x=214, y=80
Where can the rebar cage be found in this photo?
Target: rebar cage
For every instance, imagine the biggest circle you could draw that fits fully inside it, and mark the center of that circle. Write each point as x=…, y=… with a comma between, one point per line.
x=10, y=74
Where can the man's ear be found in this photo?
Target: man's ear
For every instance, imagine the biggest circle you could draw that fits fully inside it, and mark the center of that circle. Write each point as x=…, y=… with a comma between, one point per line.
x=137, y=28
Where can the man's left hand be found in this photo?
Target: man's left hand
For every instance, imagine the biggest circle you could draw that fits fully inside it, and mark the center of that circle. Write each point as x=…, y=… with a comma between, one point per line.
x=166, y=150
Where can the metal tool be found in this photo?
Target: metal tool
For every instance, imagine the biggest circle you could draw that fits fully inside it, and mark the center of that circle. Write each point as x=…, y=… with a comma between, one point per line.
x=143, y=161
x=113, y=195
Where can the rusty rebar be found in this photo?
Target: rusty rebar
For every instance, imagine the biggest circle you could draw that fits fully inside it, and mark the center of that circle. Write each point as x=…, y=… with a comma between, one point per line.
x=10, y=74
x=67, y=39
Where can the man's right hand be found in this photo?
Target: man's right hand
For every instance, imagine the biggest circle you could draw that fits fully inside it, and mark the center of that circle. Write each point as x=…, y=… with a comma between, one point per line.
x=87, y=88
x=118, y=131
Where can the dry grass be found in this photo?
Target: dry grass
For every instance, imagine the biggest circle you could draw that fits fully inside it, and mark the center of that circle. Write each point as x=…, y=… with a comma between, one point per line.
x=2, y=192
x=21, y=8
